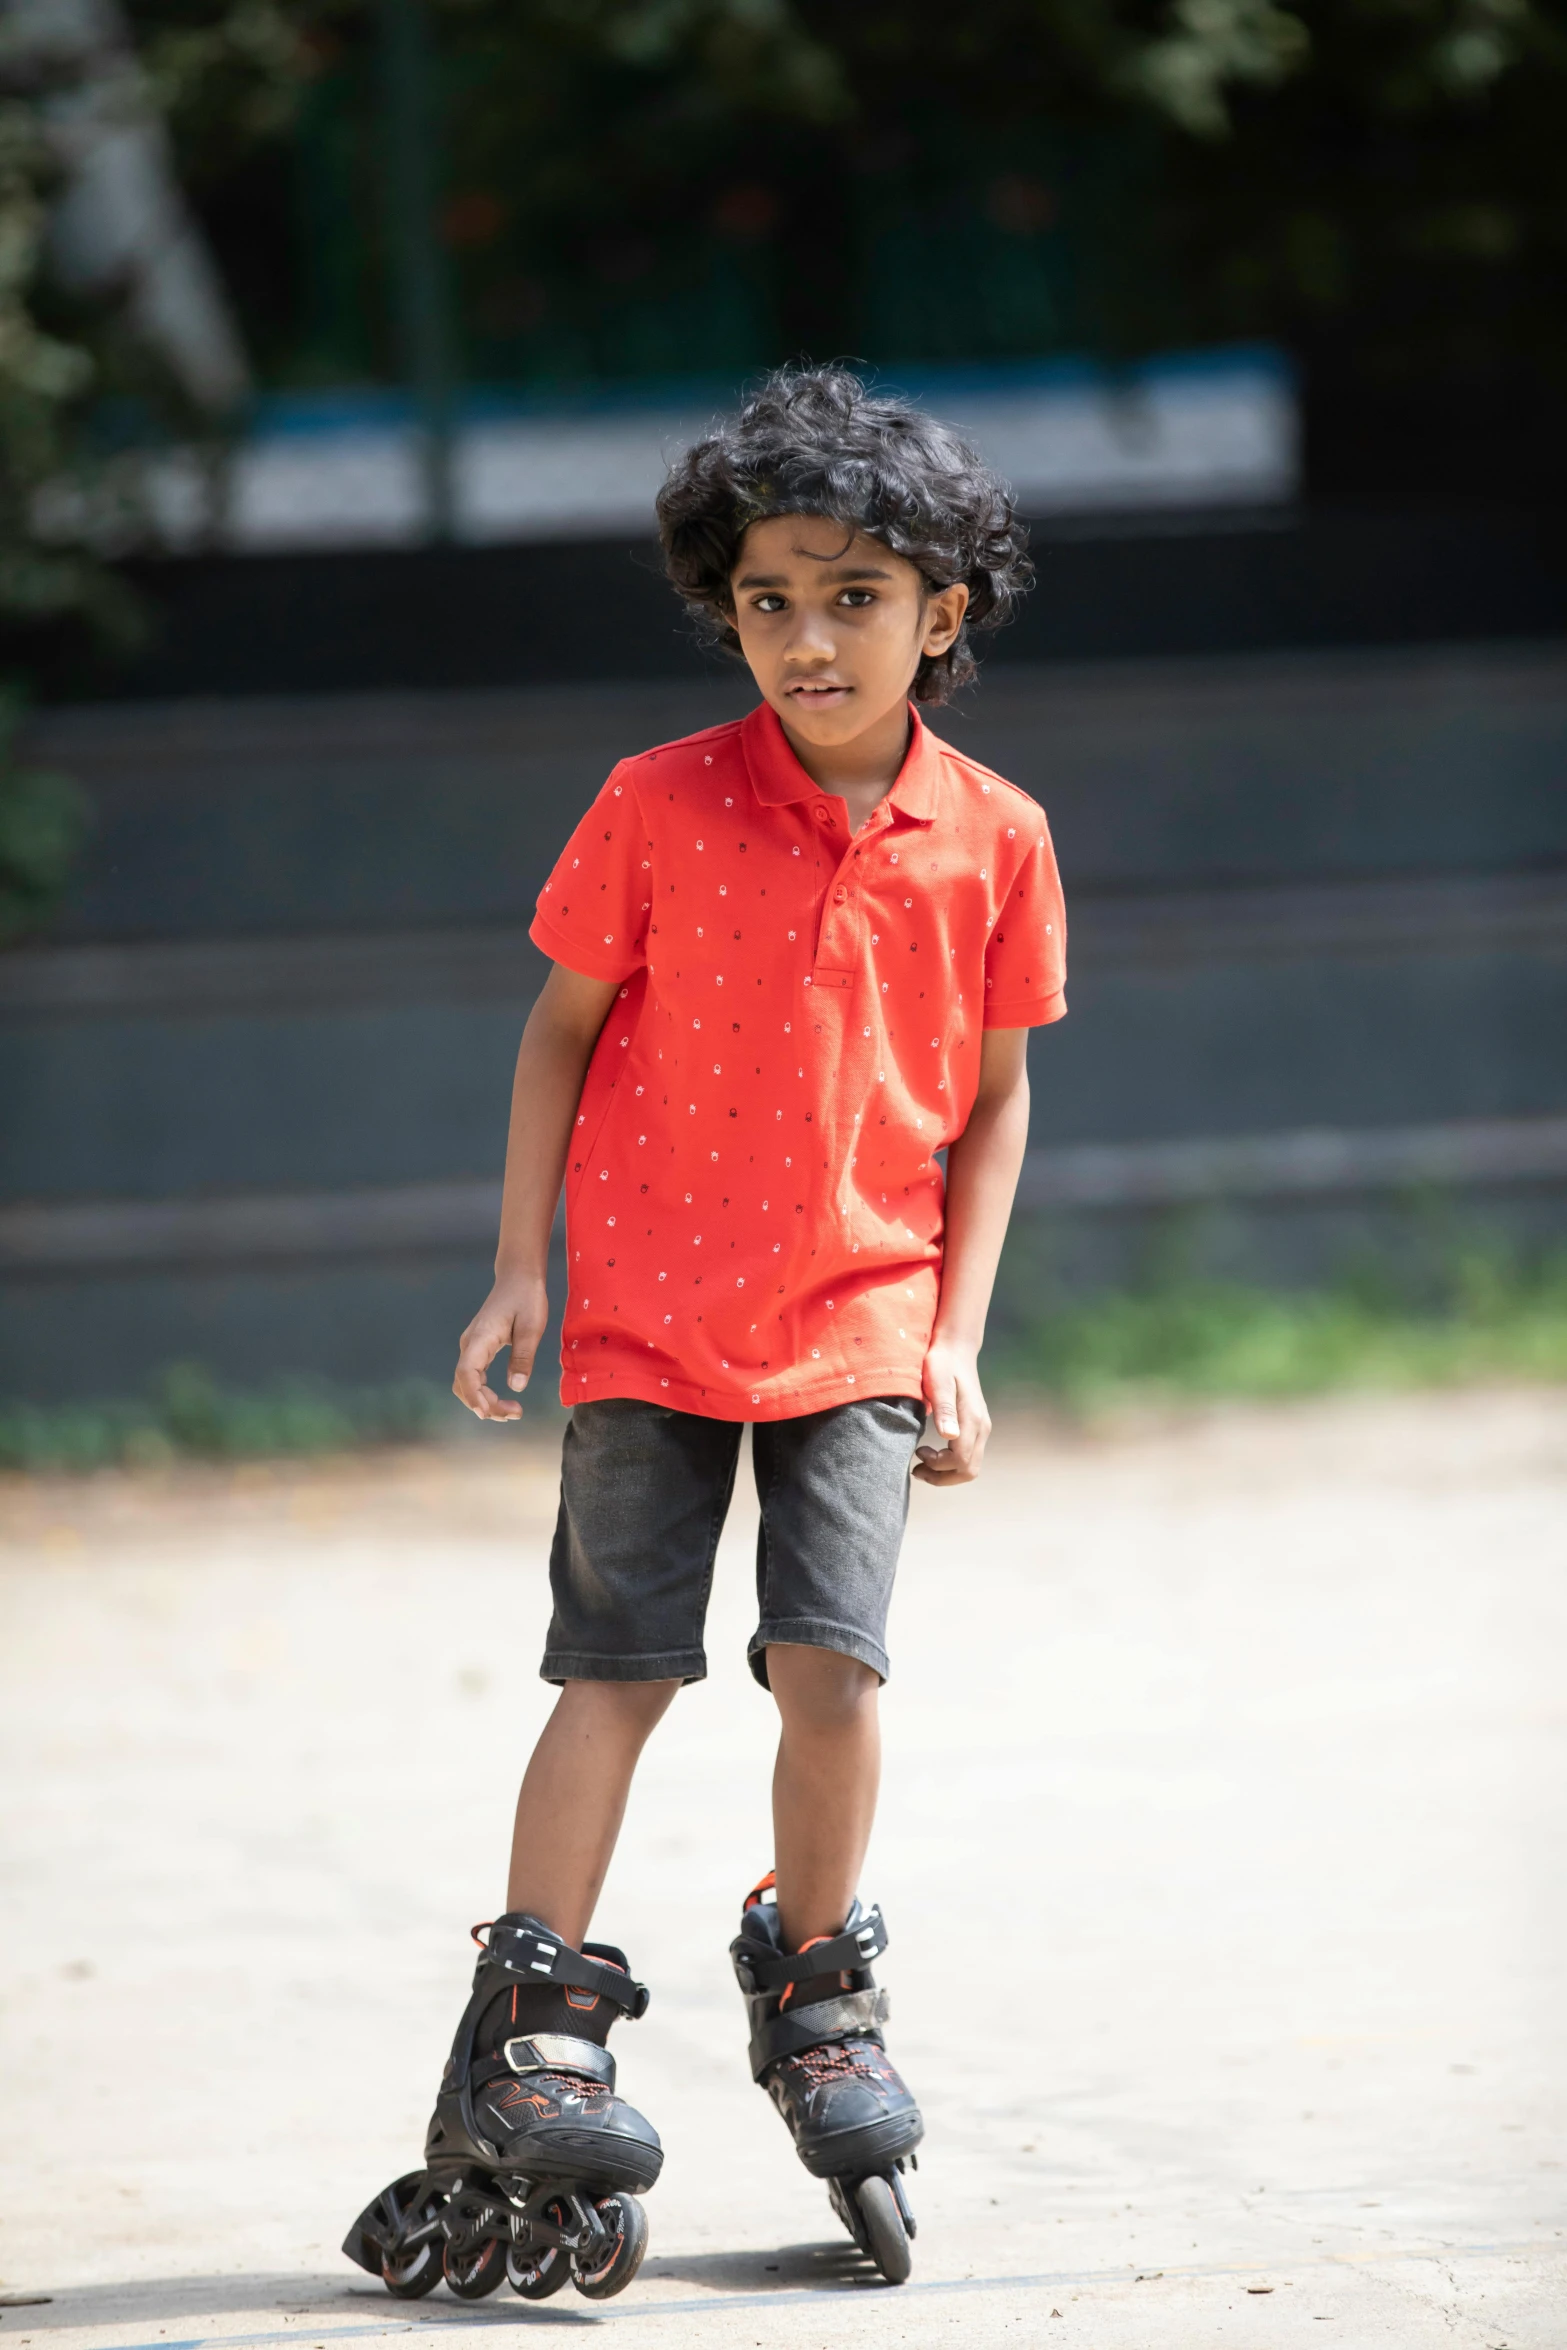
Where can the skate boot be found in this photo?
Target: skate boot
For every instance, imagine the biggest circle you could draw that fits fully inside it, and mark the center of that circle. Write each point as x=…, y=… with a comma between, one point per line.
x=817, y=2049
x=533, y=2165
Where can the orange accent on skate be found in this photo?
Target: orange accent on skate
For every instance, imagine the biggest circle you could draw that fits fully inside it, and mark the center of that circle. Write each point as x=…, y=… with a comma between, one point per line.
x=764, y=1885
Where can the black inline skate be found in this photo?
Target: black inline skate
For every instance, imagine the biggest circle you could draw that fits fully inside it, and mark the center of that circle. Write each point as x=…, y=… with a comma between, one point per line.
x=533, y=2165
x=817, y=2049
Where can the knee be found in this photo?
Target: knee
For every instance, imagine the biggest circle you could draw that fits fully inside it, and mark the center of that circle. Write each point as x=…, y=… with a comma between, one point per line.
x=624, y=1710
x=817, y=1689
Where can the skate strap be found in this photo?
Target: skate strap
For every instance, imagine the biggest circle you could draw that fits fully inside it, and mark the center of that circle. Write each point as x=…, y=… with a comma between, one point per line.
x=540, y=1958
x=545, y=2052
x=853, y=2015
x=760, y=1969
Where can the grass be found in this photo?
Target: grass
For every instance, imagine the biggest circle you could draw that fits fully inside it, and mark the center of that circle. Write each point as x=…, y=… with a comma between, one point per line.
x=189, y=1417
x=1490, y=1317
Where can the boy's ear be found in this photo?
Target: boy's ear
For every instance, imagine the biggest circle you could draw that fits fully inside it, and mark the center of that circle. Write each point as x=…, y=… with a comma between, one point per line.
x=944, y=617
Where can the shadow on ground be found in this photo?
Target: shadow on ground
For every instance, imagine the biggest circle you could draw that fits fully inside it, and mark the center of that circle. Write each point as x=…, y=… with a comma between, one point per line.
x=159, y=2301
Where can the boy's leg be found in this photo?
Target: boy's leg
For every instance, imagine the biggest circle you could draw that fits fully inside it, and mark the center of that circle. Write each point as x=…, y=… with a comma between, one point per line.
x=644, y=1492
x=834, y=1490
x=824, y=1784
x=573, y=1798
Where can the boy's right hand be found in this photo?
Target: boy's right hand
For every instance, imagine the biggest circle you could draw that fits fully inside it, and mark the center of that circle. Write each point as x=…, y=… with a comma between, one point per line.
x=512, y=1316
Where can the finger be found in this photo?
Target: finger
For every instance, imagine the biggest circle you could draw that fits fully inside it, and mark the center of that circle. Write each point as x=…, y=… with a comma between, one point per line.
x=968, y=1443
x=519, y=1363
x=468, y=1378
x=480, y=1398
x=942, y=1391
x=969, y=1448
x=466, y=1384
x=491, y=1406
x=935, y=1464
x=470, y=1383
x=958, y=1462
x=935, y=1474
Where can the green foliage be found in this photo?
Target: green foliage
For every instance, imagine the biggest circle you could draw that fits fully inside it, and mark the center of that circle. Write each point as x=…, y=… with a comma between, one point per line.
x=1403, y=196
x=44, y=571
x=639, y=187
x=1495, y=1318
x=230, y=76
x=49, y=496
x=43, y=820
x=1209, y=47
x=190, y=1417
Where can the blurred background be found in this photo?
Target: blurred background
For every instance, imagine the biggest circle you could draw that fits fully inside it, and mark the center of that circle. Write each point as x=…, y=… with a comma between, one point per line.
x=342, y=345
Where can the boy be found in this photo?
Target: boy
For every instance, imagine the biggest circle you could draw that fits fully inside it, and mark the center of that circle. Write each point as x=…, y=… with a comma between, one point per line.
x=793, y=959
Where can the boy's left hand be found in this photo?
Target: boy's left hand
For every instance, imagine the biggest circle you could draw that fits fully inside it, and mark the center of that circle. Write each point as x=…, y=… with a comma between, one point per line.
x=957, y=1405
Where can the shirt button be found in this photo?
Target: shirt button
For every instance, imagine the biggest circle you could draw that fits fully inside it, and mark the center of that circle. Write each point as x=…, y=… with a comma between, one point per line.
x=840, y=897
x=823, y=815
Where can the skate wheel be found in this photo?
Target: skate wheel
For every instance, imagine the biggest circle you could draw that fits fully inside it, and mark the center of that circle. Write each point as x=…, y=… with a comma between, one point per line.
x=626, y=2221
x=539, y=2272
x=886, y=2238
x=412, y=2274
x=470, y=2275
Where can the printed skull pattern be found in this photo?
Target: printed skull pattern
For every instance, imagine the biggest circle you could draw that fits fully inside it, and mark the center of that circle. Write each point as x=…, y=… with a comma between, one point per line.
x=753, y=1203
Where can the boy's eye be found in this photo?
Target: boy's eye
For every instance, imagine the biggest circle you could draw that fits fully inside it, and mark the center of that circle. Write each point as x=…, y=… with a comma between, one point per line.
x=855, y=598
x=769, y=603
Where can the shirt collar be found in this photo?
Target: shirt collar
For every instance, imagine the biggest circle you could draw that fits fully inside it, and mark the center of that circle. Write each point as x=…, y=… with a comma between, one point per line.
x=777, y=776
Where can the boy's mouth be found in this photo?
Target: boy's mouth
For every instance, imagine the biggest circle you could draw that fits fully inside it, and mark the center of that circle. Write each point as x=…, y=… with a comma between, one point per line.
x=818, y=693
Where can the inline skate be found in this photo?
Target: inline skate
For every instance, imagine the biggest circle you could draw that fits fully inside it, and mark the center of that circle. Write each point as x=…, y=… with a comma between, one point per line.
x=532, y=2165
x=817, y=2049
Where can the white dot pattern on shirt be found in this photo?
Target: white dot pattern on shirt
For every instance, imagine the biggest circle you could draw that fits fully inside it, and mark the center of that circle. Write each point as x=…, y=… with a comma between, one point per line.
x=862, y=876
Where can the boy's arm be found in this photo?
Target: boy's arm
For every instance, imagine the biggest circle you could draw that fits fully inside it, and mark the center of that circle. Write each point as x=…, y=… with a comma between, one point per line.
x=552, y=1061
x=982, y=1173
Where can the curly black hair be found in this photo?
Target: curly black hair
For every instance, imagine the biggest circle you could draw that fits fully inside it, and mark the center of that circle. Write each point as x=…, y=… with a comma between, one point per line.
x=814, y=440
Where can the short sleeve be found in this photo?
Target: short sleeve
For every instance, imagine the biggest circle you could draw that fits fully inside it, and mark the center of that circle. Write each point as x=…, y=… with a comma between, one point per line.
x=1025, y=961
x=593, y=910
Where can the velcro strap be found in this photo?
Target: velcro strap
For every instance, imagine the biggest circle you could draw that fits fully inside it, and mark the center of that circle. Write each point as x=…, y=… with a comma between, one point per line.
x=560, y=2052
x=760, y=1969
x=587, y=2061
x=854, y=2015
x=540, y=1959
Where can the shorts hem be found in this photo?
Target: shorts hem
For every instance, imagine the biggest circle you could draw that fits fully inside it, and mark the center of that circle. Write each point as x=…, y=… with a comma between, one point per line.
x=814, y=1632
x=567, y=1664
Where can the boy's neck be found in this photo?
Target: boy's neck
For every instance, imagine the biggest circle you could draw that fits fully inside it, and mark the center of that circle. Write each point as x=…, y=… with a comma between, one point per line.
x=861, y=771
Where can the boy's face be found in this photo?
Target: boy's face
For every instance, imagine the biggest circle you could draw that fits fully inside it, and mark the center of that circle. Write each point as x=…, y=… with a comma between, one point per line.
x=834, y=626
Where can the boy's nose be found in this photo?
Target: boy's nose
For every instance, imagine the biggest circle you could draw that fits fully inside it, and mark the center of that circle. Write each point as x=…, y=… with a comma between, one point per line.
x=812, y=637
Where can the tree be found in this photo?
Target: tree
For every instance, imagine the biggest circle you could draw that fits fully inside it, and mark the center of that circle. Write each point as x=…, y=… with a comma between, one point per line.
x=667, y=186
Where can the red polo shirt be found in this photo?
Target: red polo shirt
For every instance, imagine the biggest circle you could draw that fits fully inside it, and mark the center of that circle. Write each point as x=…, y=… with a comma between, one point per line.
x=753, y=1207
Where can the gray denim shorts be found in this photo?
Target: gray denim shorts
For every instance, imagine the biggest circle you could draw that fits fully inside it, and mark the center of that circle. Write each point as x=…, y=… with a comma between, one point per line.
x=644, y=1492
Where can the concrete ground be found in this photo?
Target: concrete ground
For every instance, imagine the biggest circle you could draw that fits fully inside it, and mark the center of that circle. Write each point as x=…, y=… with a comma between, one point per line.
x=1222, y=1852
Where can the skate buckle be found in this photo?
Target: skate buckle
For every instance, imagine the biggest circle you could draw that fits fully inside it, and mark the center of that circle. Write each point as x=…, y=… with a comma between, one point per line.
x=559, y=2052
x=865, y=1936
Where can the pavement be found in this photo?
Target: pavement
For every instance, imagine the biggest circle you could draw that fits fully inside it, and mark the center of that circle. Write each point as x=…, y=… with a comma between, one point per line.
x=1221, y=1849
